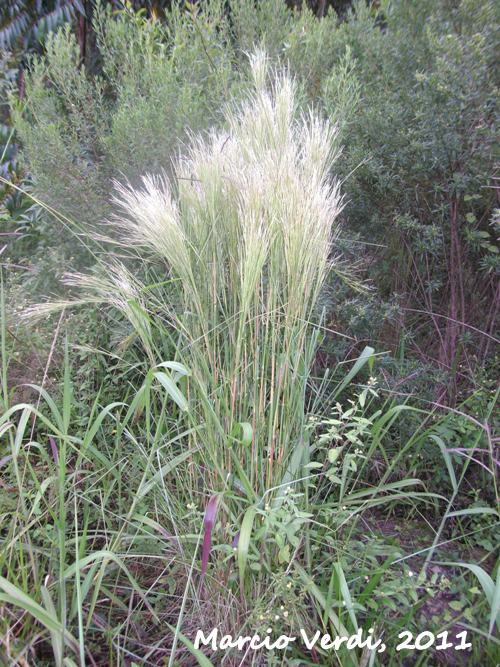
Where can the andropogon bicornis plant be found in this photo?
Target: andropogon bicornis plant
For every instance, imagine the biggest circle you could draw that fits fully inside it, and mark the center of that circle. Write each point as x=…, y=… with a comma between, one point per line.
x=245, y=232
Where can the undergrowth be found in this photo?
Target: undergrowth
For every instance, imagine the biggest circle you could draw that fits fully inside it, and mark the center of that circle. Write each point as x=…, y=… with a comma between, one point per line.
x=220, y=483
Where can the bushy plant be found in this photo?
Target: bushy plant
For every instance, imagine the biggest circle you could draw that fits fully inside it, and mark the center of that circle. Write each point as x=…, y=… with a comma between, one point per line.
x=156, y=82
x=113, y=532
x=428, y=122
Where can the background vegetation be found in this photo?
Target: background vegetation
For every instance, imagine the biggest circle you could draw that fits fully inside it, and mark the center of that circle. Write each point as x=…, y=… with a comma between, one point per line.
x=204, y=427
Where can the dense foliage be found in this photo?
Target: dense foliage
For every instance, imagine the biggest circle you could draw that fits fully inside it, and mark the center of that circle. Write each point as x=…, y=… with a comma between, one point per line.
x=256, y=384
x=413, y=88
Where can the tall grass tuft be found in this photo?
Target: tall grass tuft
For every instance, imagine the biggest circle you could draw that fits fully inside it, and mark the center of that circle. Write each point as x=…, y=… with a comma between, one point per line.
x=246, y=233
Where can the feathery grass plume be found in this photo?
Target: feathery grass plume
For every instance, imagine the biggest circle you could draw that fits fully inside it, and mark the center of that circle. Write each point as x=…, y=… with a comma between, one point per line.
x=246, y=234
x=118, y=289
x=246, y=231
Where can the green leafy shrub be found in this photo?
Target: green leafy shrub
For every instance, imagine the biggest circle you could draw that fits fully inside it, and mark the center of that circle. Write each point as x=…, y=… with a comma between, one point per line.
x=157, y=82
x=426, y=123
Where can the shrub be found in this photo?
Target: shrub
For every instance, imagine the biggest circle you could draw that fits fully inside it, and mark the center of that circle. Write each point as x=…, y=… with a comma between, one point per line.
x=156, y=81
x=426, y=122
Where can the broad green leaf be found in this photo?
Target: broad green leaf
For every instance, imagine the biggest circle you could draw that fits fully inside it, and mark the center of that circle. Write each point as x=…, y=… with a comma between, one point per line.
x=365, y=356
x=346, y=595
x=164, y=470
x=243, y=432
x=179, y=368
x=447, y=460
x=491, y=590
x=172, y=390
x=202, y=659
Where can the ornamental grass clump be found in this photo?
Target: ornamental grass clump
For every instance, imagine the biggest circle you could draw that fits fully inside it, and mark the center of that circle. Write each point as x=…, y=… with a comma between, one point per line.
x=246, y=232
